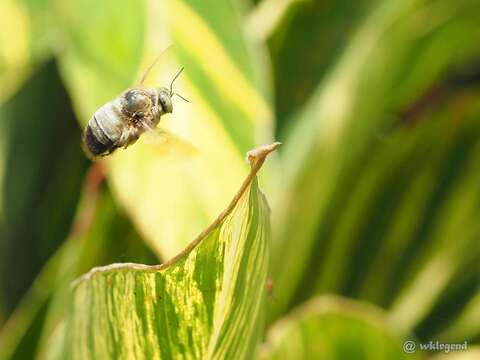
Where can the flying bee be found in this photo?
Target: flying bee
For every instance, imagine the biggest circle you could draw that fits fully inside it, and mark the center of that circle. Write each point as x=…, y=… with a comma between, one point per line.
x=120, y=122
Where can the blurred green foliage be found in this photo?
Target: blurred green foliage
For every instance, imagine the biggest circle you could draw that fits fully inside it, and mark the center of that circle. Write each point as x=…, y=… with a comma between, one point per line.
x=329, y=327
x=375, y=195
x=43, y=170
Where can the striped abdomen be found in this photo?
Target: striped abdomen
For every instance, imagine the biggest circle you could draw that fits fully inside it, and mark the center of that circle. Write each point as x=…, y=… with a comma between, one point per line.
x=109, y=129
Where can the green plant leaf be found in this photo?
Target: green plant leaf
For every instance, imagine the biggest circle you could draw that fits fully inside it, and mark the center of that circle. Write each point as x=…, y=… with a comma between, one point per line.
x=325, y=26
x=14, y=46
x=172, y=184
x=30, y=39
x=333, y=328
x=20, y=334
x=466, y=325
x=33, y=173
x=354, y=113
x=102, y=49
x=393, y=244
x=473, y=353
x=100, y=234
x=204, y=303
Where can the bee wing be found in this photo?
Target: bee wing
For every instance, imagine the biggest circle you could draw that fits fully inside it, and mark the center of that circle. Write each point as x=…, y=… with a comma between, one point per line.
x=154, y=136
x=166, y=140
x=147, y=127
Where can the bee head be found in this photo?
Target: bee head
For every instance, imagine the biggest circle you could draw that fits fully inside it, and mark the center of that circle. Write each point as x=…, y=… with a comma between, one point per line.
x=165, y=100
x=165, y=95
x=137, y=101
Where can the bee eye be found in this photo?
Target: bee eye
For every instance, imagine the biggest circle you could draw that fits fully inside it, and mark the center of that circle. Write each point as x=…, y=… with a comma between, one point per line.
x=136, y=101
x=165, y=102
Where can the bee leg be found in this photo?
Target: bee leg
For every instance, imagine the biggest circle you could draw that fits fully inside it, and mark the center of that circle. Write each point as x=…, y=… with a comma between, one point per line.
x=137, y=116
x=129, y=136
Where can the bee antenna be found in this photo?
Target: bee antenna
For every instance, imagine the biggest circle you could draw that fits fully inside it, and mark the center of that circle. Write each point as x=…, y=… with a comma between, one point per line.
x=180, y=96
x=154, y=63
x=175, y=78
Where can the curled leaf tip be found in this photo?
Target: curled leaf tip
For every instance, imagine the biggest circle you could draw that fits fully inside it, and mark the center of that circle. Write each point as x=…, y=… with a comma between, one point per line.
x=261, y=152
x=256, y=157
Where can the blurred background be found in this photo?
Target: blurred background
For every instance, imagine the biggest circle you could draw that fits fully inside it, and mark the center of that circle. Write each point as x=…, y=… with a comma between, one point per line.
x=375, y=194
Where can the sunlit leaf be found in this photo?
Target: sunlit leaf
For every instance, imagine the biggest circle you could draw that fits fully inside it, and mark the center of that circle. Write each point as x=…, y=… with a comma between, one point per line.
x=14, y=46
x=103, y=49
x=473, y=353
x=20, y=334
x=204, y=303
x=28, y=39
x=467, y=323
x=331, y=328
x=325, y=26
x=353, y=113
x=99, y=235
x=32, y=174
x=164, y=187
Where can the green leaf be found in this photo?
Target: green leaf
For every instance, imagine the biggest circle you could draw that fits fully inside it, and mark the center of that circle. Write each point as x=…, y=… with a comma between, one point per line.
x=333, y=328
x=14, y=46
x=336, y=155
x=473, y=353
x=20, y=334
x=103, y=49
x=100, y=234
x=408, y=237
x=204, y=303
x=172, y=184
x=29, y=40
x=325, y=26
x=466, y=325
x=33, y=173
